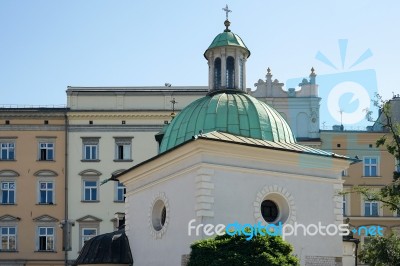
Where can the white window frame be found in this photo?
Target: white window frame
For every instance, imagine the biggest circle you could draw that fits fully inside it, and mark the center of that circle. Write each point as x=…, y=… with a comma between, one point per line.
x=2, y=183
x=345, y=172
x=85, y=237
x=84, y=187
x=91, y=143
x=365, y=202
x=90, y=152
x=123, y=146
x=8, y=146
x=47, y=146
x=8, y=235
x=92, y=224
x=47, y=237
x=52, y=190
x=370, y=165
x=118, y=187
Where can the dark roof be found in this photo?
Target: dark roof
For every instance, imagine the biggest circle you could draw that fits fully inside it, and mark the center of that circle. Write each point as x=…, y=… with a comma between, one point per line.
x=110, y=248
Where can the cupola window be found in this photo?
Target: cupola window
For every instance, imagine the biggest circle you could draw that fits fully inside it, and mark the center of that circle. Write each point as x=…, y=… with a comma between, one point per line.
x=217, y=73
x=241, y=78
x=230, y=73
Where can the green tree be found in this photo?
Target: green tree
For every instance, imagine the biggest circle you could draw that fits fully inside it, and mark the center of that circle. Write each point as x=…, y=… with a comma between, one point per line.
x=236, y=250
x=381, y=251
x=385, y=250
x=388, y=120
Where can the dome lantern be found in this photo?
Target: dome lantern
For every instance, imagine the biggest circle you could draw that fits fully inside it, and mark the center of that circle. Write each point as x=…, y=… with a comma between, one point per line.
x=226, y=56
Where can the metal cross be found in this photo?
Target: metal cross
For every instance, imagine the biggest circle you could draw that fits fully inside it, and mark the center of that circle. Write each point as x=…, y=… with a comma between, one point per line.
x=226, y=9
x=173, y=104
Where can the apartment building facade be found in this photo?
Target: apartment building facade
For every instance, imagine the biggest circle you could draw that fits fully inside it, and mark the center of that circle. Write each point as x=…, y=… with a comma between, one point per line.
x=109, y=131
x=55, y=161
x=32, y=180
x=374, y=171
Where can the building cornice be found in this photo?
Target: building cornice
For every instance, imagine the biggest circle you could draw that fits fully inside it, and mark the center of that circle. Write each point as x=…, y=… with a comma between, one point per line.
x=32, y=128
x=114, y=128
x=104, y=114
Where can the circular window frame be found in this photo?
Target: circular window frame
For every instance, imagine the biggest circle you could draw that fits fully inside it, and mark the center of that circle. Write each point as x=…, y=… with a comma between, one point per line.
x=158, y=215
x=275, y=205
x=284, y=201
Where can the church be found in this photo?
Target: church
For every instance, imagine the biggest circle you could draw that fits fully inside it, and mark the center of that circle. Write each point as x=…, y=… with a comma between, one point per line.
x=231, y=158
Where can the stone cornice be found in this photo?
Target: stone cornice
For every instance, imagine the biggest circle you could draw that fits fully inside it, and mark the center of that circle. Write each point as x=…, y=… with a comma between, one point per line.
x=92, y=114
x=32, y=128
x=113, y=128
x=10, y=113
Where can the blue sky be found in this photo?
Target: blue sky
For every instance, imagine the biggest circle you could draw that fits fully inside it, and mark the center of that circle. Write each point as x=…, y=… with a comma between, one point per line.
x=48, y=45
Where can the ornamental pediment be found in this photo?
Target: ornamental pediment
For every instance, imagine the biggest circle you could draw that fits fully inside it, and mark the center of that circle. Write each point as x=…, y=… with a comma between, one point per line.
x=9, y=218
x=88, y=218
x=90, y=172
x=8, y=173
x=45, y=218
x=45, y=173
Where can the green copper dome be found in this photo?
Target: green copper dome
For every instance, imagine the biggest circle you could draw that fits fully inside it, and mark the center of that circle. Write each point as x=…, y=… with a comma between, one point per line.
x=227, y=38
x=227, y=111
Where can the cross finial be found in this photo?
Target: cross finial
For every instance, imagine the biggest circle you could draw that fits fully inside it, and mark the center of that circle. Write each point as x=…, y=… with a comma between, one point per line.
x=173, y=107
x=227, y=11
x=173, y=104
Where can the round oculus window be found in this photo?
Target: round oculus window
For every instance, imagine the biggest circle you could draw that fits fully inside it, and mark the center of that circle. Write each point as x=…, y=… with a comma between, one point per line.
x=269, y=211
x=159, y=215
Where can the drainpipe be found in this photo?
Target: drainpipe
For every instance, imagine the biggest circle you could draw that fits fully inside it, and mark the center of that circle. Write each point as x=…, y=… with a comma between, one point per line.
x=65, y=229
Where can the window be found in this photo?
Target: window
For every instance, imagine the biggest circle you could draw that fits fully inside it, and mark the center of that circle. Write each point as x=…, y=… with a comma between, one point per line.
x=90, y=152
x=8, y=192
x=120, y=192
x=46, y=151
x=46, y=192
x=123, y=149
x=344, y=205
x=8, y=237
x=230, y=73
x=89, y=226
x=217, y=73
x=370, y=166
x=87, y=234
x=345, y=172
x=46, y=239
x=90, y=149
x=7, y=151
x=269, y=210
x=90, y=190
x=241, y=74
x=123, y=152
x=159, y=215
x=371, y=208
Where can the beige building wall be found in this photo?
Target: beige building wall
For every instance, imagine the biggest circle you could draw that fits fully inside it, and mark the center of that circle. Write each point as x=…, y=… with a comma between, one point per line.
x=23, y=174
x=363, y=145
x=102, y=117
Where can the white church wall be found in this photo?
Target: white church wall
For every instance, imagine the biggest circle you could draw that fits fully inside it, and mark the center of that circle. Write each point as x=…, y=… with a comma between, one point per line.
x=235, y=201
x=215, y=183
x=151, y=247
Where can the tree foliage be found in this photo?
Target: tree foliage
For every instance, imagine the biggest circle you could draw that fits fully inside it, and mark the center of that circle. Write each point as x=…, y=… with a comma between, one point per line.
x=381, y=251
x=236, y=250
x=385, y=250
x=389, y=195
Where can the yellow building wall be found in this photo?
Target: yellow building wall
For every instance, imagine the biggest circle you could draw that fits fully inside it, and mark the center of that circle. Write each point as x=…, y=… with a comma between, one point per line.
x=26, y=133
